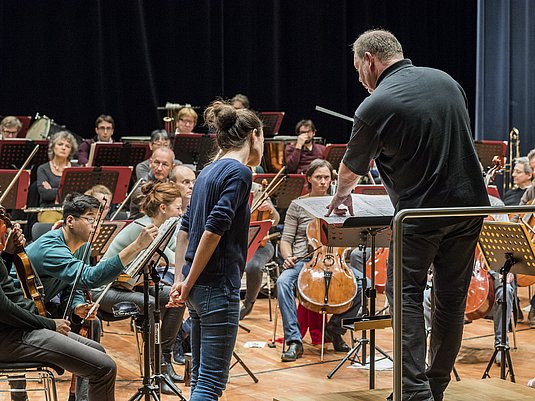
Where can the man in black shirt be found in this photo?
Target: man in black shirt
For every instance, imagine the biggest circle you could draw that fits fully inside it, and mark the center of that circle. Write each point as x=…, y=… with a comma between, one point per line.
x=27, y=336
x=415, y=125
x=522, y=175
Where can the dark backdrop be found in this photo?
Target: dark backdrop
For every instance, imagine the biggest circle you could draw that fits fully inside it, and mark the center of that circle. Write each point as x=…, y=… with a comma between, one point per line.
x=72, y=60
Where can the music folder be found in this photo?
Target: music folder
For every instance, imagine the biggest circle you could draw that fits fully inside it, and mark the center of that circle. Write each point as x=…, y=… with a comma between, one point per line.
x=257, y=232
x=371, y=212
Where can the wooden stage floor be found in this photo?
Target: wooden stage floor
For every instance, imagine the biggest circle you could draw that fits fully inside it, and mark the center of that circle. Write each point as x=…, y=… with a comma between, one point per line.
x=307, y=376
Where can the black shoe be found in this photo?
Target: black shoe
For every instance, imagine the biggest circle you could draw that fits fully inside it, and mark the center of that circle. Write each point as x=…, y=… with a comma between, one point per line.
x=165, y=389
x=179, y=359
x=338, y=342
x=294, y=351
x=424, y=395
x=246, y=309
x=167, y=369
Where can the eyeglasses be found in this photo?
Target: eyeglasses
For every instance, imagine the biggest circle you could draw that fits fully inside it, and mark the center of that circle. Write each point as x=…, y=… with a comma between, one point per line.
x=159, y=163
x=89, y=220
x=7, y=132
x=105, y=128
x=187, y=122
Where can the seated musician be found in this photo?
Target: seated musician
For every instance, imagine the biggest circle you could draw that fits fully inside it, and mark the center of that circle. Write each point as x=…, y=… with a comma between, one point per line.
x=522, y=176
x=184, y=178
x=161, y=164
x=240, y=101
x=299, y=156
x=254, y=268
x=294, y=245
x=158, y=139
x=61, y=148
x=9, y=127
x=24, y=332
x=104, y=128
x=160, y=202
x=186, y=120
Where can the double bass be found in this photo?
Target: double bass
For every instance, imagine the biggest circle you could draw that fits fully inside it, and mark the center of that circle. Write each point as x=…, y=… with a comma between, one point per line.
x=326, y=283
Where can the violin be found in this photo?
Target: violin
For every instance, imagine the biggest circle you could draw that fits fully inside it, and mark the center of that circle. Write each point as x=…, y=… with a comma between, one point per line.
x=326, y=283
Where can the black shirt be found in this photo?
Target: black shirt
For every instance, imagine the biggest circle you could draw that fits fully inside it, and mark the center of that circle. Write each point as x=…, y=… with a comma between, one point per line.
x=416, y=126
x=512, y=197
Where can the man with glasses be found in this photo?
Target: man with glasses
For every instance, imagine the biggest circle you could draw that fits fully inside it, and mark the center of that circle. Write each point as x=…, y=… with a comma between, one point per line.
x=298, y=156
x=161, y=163
x=10, y=127
x=104, y=127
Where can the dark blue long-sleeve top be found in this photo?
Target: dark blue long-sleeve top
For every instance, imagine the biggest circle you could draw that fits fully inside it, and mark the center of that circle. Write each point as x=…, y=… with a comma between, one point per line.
x=219, y=204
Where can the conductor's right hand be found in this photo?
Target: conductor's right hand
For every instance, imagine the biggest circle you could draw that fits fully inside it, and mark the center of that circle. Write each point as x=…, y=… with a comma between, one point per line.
x=289, y=262
x=62, y=326
x=147, y=235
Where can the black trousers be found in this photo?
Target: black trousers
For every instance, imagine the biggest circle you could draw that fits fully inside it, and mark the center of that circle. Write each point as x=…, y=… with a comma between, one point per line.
x=451, y=250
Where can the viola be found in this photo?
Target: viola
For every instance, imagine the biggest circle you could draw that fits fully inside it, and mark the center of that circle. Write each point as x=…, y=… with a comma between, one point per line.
x=326, y=283
x=381, y=259
x=28, y=278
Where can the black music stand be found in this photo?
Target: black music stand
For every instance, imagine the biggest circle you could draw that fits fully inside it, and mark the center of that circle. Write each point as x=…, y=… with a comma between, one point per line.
x=334, y=153
x=107, y=232
x=507, y=247
x=17, y=197
x=13, y=153
x=272, y=121
x=196, y=149
x=486, y=151
x=80, y=179
x=118, y=154
x=289, y=190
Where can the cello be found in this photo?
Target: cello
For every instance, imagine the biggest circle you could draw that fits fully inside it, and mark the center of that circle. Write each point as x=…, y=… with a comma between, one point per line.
x=326, y=283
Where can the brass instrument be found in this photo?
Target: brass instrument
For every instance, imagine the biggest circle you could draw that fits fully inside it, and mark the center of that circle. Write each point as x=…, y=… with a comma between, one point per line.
x=514, y=153
x=168, y=124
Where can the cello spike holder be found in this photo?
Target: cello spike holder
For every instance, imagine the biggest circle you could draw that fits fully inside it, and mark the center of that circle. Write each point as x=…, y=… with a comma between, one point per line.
x=368, y=293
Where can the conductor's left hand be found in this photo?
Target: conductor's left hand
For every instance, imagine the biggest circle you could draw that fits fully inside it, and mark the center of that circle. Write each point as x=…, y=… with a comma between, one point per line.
x=338, y=200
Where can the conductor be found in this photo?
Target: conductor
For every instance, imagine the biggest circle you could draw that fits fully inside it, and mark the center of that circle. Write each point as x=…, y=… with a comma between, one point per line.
x=415, y=125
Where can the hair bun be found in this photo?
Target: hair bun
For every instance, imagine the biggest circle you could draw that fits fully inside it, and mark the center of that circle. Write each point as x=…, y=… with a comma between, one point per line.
x=147, y=187
x=225, y=117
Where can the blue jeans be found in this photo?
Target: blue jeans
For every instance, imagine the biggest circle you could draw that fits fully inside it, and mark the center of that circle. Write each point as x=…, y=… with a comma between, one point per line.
x=286, y=291
x=214, y=312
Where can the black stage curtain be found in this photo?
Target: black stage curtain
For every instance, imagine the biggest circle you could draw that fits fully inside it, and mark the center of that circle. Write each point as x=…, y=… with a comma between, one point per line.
x=72, y=60
x=505, y=93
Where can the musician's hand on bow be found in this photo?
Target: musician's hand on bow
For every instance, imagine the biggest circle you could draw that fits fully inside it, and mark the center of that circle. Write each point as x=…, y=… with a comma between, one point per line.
x=147, y=235
x=338, y=200
x=16, y=240
x=82, y=310
x=178, y=295
x=62, y=326
x=265, y=207
x=289, y=262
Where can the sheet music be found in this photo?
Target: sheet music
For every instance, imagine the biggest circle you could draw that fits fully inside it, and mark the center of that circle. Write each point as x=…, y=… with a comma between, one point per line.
x=363, y=206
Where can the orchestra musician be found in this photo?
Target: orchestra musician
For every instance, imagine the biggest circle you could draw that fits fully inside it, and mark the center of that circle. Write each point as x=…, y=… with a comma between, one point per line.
x=104, y=128
x=161, y=201
x=24, y=332
x=240, y=101
x=298, y=156
x=61, y=149
x=184, y=178
x=186, y=120
x=9, y=127
x=212, y=246
x=522, y=176
x=294, y=246
x=161, y=164
x=158, y=138
x=423, y=148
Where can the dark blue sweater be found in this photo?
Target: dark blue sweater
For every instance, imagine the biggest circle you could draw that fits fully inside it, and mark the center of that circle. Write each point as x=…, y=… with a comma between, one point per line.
x=219, y=204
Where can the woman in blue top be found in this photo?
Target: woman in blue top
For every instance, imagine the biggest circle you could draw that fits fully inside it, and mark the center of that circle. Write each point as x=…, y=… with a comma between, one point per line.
x=212, y=247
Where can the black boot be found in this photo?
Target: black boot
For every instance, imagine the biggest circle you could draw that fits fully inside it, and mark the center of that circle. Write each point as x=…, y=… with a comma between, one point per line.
x=165, y=389
x=294, y=351
x=338, y=342
x=169, y=371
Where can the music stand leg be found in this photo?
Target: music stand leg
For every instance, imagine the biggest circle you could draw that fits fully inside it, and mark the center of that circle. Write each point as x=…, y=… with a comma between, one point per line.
x=244, y=366
x=502, y=347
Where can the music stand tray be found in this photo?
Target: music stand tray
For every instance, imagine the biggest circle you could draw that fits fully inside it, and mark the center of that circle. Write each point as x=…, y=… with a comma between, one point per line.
x=289, y=190
x=17, y=197
x=80, y=179
x=334, y=153
x=272, y=121
x=196, y=149
x=118, y=154
x=108, y=231
x=13, y=153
